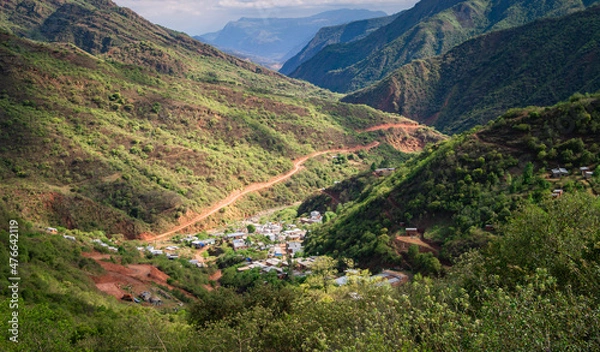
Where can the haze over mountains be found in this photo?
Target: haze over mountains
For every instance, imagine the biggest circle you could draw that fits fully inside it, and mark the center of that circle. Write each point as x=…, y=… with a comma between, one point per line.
x=344, y=33
x=272, y=41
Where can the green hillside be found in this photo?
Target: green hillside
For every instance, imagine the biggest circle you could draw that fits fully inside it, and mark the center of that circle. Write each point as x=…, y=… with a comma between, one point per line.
x=429, y=28
x=474, y=82
x=452, y=190
x=535, y=288
x=131, y=136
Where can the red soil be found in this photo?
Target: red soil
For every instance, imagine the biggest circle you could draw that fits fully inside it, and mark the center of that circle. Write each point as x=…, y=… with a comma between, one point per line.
x=136, y=277
x=235, y=195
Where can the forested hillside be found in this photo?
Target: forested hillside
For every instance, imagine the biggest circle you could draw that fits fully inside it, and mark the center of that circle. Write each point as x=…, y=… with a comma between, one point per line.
x=453, y=190
x=535, y=288
x=478, y=80
x=428, y=29
x=124, y=126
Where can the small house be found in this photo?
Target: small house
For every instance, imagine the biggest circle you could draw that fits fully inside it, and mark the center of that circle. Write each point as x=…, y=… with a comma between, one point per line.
x=172, y=256
x=273, y=262
x=52, y=230
x=294, y=247
x=155, y=300
x=236, y=235
x=588, y=174
x=145, y=296
x=239, y=244
x=559, y=172
x=384, y=171
x=557, y=193
x=209, y=241
x=69, y=237
x=412, y=231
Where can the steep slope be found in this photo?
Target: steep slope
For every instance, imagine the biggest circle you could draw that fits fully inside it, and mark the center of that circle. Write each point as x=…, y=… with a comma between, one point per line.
x=476, y=81
x=271, y=41
x=344, y=33
x=148, y=133
x=454, y=189
x=430, y=28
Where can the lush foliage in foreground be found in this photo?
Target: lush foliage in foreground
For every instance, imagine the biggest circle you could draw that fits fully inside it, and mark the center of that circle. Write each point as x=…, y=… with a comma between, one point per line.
x=495, y=299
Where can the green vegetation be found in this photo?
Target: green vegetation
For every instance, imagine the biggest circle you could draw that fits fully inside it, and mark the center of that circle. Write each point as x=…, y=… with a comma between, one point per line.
x=483, y=77
x=493, y=299
x=149, y=125
x=429, y=28
x=454, y=189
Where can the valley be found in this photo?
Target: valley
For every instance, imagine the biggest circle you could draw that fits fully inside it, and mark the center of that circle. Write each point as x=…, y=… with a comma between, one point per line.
x=162, y=194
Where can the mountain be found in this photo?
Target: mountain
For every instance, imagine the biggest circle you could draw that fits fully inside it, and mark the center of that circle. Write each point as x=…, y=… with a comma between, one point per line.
x=430, y=28
x=344, y=33
x=271, y=41
x=451, y=191
x=112, y=123
x=474, y=82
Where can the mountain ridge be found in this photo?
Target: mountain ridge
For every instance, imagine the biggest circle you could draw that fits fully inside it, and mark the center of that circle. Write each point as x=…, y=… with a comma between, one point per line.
x=271, y=41
x=345, y=33
x=477, y=80
x=456, y=192
x=429, y=28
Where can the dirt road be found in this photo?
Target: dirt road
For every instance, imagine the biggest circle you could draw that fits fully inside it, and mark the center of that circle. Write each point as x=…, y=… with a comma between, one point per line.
x=235, y=195
x=406, y=126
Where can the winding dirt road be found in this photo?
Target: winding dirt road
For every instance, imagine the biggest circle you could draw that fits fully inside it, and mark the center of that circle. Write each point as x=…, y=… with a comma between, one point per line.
x=237, y=194
x=406, y=126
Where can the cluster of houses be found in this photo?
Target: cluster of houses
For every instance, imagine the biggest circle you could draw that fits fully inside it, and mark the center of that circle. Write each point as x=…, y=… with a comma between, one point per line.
x=559, y=172
x=169, y=251
x=301, y=266
x=284, y=241
x=102, y=244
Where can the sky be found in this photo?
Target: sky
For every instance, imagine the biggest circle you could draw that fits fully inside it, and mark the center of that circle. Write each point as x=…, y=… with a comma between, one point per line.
x=196, y=17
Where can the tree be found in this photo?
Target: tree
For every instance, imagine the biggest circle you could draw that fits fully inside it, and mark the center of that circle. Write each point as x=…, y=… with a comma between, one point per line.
x=528, y=173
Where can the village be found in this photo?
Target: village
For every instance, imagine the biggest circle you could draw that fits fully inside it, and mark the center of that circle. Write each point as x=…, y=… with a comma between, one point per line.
x=268, y=247
x=274, y=246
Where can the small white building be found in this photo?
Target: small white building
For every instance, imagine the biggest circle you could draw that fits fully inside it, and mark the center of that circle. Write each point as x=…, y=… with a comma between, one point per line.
x=239, y=244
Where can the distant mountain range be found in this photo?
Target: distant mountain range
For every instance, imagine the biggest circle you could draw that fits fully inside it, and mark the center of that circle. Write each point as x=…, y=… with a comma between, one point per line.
x=344, y=33
x=540, y=64
x=430, y=28
x=272, y=41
